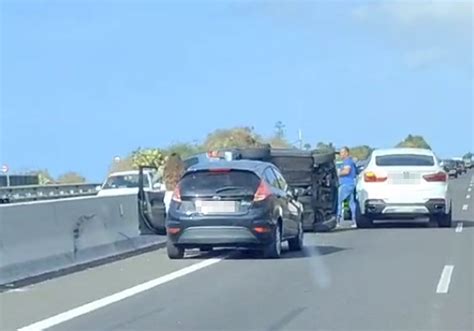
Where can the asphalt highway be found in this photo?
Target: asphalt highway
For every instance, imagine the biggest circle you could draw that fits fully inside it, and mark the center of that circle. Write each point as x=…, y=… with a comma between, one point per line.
x=397, y=276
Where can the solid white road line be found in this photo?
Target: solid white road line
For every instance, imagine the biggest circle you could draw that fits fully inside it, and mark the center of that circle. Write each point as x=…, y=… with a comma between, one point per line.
x=459, y=227
x=94, y=305
x=464, y=207
x=445, y=279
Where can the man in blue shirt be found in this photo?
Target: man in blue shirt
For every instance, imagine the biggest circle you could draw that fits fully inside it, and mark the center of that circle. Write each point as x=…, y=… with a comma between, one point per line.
x=347, y=184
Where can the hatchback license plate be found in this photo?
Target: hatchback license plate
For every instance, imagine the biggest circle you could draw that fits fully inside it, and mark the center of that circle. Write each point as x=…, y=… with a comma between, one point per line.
x=216, y=207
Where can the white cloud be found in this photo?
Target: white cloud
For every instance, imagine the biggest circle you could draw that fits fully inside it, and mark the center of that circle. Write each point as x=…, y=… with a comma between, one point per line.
x=426, y=31
x=420, y=58
x=413, y=13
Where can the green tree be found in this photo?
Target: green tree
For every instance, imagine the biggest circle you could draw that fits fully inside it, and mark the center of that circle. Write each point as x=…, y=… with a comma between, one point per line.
x=361, y=152
x=71, y=177
x=414, y=141
x=280, y=130
x=44, y=178
x=468, y=155
x=235, y=137
x=184, y=149
x=121, y=164
x=325, y=148
x=307, y=146
x=278, y=140
x=152, y=157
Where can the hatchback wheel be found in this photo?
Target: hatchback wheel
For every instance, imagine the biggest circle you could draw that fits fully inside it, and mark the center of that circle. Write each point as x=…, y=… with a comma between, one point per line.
x=296, y=243
x=174, y=252
x=273, y=250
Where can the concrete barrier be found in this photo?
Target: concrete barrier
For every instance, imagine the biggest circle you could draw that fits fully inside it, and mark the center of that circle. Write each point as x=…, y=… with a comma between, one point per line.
x=46, y=236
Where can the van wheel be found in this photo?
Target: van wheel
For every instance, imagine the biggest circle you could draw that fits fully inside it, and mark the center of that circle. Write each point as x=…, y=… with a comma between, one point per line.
x=363, y=221
x=296, y=243
x=174, y=252
x=273, y=250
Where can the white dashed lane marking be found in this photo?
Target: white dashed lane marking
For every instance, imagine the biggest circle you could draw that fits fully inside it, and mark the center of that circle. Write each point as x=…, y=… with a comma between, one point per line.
x=468, y=196
x=445, y=279
x=459, y=227
x=464, y=207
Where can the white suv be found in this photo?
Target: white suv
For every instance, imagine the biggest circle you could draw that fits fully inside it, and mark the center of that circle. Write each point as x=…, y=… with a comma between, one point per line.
x=403, y=183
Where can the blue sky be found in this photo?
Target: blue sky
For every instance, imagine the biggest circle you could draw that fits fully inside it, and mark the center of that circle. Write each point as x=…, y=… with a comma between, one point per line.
x=84, y=81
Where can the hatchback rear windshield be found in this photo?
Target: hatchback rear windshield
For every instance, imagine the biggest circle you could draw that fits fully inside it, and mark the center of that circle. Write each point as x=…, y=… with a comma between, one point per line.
x=220, y=182
x=404, y=160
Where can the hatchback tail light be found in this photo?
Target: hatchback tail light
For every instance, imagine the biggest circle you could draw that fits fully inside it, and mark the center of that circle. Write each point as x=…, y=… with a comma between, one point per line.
x=436, y=177
x=371, y=177
x=176, y=194
x=263, y=192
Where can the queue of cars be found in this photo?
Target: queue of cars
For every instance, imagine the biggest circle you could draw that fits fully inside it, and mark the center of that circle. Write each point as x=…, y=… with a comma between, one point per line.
x=456, y=167
x=259, y=198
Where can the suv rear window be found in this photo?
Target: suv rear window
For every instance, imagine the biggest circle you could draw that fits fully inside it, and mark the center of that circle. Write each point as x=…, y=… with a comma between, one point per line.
x=395, y=160
x=219, y=181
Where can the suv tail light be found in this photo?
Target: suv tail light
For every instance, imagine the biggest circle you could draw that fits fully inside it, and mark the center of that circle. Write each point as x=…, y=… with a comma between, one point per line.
x=263, y=192
x=371, y=177
x=437, y=177
x=176, y=194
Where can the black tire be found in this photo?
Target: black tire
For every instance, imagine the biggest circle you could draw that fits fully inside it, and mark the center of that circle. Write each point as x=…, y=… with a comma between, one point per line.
x=296, y=243
x=255, y=153
x=174, y=252
x=443, y=221
x=273, y=250
x=363, y=221
x=321, y=158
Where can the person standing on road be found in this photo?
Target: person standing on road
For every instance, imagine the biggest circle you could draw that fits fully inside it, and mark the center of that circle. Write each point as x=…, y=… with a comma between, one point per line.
x=347, y=184
x=172, y=172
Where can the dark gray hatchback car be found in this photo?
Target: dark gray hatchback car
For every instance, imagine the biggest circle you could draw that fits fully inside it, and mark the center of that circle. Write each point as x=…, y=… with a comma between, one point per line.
x=233, y=204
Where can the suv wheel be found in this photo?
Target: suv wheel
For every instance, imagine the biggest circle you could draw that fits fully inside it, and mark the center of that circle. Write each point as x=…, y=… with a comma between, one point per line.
x=273, y=250
x=363, y=221
x=296, y=243
x=174, y=252
x=443, y=221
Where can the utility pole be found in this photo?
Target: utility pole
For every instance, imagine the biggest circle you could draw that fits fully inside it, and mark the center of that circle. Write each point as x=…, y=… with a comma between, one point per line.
x=300, y=138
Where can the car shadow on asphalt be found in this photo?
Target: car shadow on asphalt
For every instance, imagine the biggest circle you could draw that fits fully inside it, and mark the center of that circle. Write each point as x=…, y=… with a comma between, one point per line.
x=410, y=225
x=308, y=251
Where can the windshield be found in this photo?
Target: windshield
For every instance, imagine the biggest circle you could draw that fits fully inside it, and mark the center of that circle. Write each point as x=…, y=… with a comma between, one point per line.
x=411, y=160
x=124, y=181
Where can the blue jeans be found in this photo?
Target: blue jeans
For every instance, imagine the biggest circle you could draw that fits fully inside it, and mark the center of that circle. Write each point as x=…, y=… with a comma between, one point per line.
x=346, y=192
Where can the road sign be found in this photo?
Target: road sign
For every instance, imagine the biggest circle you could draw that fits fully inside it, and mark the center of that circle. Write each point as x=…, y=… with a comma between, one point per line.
x=5, y=168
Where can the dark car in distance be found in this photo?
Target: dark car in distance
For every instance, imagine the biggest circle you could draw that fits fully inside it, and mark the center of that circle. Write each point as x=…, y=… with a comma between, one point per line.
x=234, y=204
x=450, y=167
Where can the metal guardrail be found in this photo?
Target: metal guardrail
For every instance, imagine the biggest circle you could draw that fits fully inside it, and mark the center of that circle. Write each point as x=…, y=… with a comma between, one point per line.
x=14, y=194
